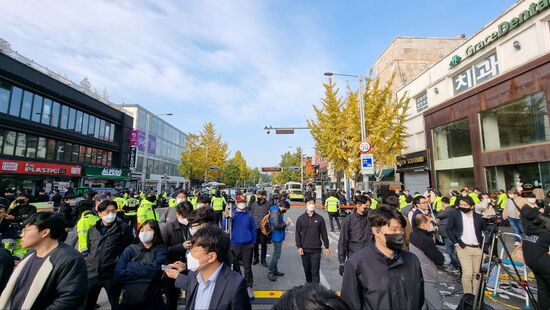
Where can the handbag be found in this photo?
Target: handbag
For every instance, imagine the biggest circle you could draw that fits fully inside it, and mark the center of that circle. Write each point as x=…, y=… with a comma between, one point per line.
x=134, y=293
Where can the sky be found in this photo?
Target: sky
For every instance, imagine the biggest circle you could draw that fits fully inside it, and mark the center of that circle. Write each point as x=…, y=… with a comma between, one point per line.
x=241, y=64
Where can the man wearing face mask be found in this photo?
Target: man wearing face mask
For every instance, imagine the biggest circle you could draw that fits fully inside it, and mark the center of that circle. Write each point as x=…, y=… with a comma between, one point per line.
x=311, y=230
x=20, y=209
x=514, y=203
x=381, y=275
x=422, y=245
x=465, y=229
x=355, y=233
x=277, y=222
x=243, y=238
x=259, y=207
x=210, y=283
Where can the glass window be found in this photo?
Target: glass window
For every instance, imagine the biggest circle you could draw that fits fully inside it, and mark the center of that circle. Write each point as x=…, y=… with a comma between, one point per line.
x=47, y=111
x=101, y=134
x=72, y=117
x=518, y=123
x=36, y=108
x=68, y=152
x=108, y=132
x=82, y=155
x=421, y=102
x=91, y=126
x=154, y=125
x=112, y=133
x=9, y=142
x=97, y=125
x=74, y=155
x=142, y=119
x=26, y=107
x=50, y=152
x=1, y=138
x=85, y=120
x=88, y=158
x=455, y=179
x=109, y=159
x=32, y=144
x=99, y=156
x=21, y=145
x=94, y=156
x=452, y=140
x=5, y=90
x=104, y=161
x=60, y=154
x=64, y=117
x=55, y=114
x=78, y=125
x=15, y=102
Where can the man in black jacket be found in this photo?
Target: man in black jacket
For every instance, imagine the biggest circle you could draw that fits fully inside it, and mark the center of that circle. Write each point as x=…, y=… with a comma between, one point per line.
x=310, y=231
x=355, y=232
x=20, y=209
x=465, y=230
x=259, y=208
x=381, y=275
x=53, y=275
x=422, y=244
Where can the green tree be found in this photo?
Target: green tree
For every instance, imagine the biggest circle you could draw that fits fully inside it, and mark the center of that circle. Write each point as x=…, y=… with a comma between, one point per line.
x=288, y=159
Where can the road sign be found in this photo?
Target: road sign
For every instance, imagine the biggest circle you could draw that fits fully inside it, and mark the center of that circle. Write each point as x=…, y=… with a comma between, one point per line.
x=294, y=168
x=365, y=147
x=271, y=169
x=284, y=131
x=214, y=168
x=367, y=164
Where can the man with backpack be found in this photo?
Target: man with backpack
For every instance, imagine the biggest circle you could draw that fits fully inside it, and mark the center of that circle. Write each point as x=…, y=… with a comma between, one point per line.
x=278, y=226
x=259, y=208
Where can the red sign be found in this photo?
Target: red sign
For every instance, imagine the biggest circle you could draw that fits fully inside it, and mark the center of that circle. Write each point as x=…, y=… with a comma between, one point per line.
x=30, y=167
x=271, y=169
x=284, y=131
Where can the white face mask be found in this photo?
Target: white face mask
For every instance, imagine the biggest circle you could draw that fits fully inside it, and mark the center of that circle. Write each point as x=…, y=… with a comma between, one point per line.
x=146, y=236
x=109, y=218
x=310, y=207
x=179, y=200
x=201, y=205
x=241, y=206
x=183, y=221
x=193, y=230
x=532, y=200
x=193, y=264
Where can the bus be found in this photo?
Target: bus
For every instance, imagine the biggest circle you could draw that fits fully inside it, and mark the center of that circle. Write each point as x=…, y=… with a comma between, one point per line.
x=289, y=186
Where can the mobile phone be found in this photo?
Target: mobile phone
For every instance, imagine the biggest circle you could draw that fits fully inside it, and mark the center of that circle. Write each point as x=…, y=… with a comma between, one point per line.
x=164, y=267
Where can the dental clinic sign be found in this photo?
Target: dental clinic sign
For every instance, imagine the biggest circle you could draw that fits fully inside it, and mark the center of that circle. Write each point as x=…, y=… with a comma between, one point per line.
x=502, y=30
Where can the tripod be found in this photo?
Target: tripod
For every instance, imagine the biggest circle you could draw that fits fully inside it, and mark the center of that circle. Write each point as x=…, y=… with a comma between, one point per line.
x=493, y=234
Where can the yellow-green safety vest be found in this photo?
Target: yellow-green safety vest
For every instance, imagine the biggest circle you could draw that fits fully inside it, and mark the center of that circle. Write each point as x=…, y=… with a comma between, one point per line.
x=218, y=203
x=373, y=203
x=474, y=197
x=452, y=201
x=87, y=220
x=332, y=204
x=437, y=203
x=194, y=200
x=121, y=202
x=172, y=202
x=502, y=200
x=146, y=212
x=402, y=201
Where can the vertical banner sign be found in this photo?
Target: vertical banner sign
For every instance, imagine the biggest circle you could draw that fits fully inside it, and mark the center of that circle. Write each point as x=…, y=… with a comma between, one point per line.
x=134, y=137
x=367, y=164
x=133, y=157
x=141, y=141
x=152, y=145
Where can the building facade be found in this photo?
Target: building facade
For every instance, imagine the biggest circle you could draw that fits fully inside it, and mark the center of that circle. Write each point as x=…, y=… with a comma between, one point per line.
x=158, y=147
x=484, y=119
x=404, y=59
x=53, y=133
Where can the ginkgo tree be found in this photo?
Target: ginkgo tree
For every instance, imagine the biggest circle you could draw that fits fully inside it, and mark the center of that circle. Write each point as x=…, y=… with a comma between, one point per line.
x=336, y=128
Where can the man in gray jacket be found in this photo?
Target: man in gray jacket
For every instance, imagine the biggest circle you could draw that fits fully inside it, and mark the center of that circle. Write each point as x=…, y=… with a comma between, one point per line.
x=259, y=208
x=422, y=245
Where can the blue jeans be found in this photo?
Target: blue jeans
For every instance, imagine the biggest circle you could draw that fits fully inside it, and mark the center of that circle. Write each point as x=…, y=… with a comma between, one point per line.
x=516, y=227
x=451, y=251
x=275, y=257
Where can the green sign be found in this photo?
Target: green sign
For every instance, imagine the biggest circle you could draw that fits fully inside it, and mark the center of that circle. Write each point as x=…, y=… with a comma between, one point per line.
x=502, y=30
x=106, y=173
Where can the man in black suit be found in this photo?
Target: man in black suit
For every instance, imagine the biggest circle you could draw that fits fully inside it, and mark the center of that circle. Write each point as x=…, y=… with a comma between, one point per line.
x=209, y=283
x=465, y=229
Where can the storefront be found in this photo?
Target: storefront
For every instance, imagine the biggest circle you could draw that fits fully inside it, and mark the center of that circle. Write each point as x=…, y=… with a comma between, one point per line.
x=414, y=171
x=35, y=176
x=106, y=177
x=496, y=136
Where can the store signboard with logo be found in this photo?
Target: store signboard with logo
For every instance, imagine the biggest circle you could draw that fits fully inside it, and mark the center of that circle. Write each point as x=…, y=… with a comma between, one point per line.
x=137, y=139
x=106, y=173
x=38, y=168
x=477, y=74
x=417, y=161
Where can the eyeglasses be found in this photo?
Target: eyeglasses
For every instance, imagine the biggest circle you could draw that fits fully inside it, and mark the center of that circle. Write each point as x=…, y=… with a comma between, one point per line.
x=28, y=229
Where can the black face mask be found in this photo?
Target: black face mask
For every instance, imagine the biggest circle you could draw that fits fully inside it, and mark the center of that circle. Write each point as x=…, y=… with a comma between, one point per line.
x=394, y=241
x=465, y=210
x=283, y=211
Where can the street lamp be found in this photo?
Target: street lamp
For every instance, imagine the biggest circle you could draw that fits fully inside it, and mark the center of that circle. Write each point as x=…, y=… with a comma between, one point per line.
x=361, y=114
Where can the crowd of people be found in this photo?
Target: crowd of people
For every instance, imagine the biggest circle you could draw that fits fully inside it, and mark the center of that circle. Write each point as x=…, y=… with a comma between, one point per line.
x=145, y=248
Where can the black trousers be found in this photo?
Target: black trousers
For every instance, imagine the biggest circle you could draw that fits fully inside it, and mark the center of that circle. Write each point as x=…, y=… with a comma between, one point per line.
x=244, y=254
x=543, y=290
x=219, y=215
x=172, y=293
x=312, y=264
x=261, y=241
x=95, y=286
x=336, y=216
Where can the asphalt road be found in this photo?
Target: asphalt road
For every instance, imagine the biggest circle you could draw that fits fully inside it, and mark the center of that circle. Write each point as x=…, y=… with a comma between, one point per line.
x=290, y=264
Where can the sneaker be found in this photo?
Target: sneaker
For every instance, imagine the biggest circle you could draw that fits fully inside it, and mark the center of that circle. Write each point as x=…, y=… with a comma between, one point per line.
x=250, y=293
x=271, y=277
x=264, y=263
x=278, y=274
